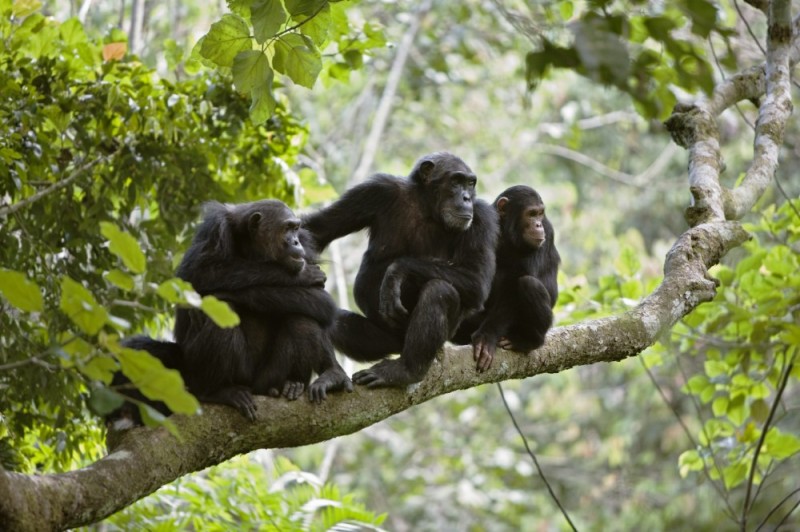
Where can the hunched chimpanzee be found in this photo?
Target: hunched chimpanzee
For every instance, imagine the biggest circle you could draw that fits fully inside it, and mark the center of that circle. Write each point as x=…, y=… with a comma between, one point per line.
x=519, y=310
x=429, y=263
x=253, y=257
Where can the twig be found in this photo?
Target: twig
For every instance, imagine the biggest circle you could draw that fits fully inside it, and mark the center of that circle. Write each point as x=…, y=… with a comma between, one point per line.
x=58, y=185
x=533, y=457
x=782, y=386
x=387, y=98
x=717, y=488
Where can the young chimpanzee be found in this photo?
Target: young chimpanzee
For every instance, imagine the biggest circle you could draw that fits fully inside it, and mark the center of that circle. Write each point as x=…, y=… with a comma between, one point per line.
x=252, y=256
x=429, y=263
x=519, y=310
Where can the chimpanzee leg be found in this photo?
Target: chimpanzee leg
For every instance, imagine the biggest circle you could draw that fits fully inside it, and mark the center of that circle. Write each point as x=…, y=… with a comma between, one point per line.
x=363, y=339
x=217, y=364
x=433, y=320
x=535, y=317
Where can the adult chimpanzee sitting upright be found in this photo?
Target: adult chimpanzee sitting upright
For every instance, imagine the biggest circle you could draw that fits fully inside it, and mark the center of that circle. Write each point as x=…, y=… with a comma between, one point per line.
x=429, y=263
x=524, y=291
x=256, y=257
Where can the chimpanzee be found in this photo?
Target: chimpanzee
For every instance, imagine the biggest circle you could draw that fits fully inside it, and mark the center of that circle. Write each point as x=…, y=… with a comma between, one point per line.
x=252, y=256
x=519, y=310
x=429, y=263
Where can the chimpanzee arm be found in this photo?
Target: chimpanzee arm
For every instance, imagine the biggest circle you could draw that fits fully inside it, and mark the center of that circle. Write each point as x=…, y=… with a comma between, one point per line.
x=353, y=211
x=209, y=276
x=470, y=271
x=315, y=303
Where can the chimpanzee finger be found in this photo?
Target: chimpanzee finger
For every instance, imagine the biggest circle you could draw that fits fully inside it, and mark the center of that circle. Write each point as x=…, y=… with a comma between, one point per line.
x=485, y=361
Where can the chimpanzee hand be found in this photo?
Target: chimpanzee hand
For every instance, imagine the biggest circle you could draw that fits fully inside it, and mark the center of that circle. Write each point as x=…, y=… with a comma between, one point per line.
x=483, y=349
x=390, y=305
x=312, y=275
x=331, y=380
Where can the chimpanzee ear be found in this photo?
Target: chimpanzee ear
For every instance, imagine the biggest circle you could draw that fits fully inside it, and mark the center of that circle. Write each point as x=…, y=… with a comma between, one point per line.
x=253, y=221
x=500, y=205
x=424, y=172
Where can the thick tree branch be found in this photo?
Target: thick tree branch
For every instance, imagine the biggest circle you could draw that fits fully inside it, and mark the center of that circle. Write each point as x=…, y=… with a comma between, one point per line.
x=695, y=127
x=44, y=502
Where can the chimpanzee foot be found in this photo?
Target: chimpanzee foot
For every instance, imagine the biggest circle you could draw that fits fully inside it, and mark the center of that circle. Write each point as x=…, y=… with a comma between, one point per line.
x=386, y=373
x=293, y=389
x=239, y=397
x=331, y=380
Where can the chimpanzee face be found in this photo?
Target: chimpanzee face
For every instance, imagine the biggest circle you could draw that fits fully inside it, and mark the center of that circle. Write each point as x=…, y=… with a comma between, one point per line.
x=276, y=233
x=522, y=217
x=450, y=183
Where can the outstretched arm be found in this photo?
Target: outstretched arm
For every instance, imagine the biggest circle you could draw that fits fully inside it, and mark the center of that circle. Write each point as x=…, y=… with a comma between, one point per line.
x=352, y=212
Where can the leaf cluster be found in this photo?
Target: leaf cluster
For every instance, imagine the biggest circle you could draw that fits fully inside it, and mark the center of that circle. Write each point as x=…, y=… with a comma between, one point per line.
x=636, y=46
x=103, y=168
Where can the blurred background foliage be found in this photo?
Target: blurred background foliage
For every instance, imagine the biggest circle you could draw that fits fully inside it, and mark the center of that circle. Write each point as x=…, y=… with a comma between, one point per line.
x=112, y=112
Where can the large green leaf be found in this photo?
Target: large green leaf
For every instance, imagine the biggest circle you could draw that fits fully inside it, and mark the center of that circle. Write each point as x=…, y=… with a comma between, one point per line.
x=263, y=105
x=225, y=39
x=297, y=57
x=219, y=312
x=155, y=381
x=124, y=246
x=81, y=307
x=20, y=292
x=267, y=17
x=251, y=69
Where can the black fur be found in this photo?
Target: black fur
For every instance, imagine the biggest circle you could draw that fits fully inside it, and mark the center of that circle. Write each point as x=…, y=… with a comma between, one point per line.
x=519, y=309
x=252, y=256
x=429, y=263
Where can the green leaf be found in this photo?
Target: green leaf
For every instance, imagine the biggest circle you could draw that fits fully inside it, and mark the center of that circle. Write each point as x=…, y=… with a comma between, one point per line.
x=72, y=32
x=178, y=291
x=119, y=279
x=627, y=263
x=781, y=445
x=251, y=69
x=156, y=382
x=318, y=27
x=267, y=17
x=696, y=384
x=20, y=292
x=298, y=58
x=226, y=39
x=759, y=410
x=566, y=9
x=81, y=307
x=304, y=7
x=689, y=461
x=263, y=105
x=715, y=367
x=601, y=51
x=219, y=312
x=734, y=474
x=781, y=261
x=720, y=406
x=104, y=401
x=100, y=368
x=737, y=410
x=124, y=246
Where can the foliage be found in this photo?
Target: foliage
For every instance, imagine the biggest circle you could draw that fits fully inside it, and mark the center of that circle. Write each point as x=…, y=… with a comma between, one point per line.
x=262, y=38
x=104, y=166
x=634, y=45
x=747, y=340
x=243, y=494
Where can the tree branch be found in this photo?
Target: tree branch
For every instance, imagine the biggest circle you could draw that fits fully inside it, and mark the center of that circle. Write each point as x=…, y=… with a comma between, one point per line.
x=694, y=126
x=44, y=502
x=58, y=185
